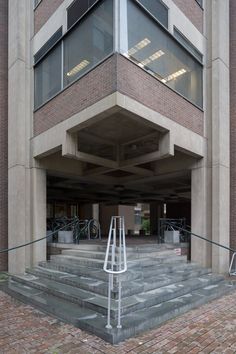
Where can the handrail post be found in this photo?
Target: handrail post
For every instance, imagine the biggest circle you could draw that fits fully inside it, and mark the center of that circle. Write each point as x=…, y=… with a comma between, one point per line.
x=109, y=304
x=116, y=267
x=119, y=303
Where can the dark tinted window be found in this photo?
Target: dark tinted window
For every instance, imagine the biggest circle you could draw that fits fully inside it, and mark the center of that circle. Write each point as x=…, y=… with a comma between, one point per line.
x=89, y=43
x=157, y=9
x=47, y=76
x=77, y=9
x=187, y=44
x=48, y=45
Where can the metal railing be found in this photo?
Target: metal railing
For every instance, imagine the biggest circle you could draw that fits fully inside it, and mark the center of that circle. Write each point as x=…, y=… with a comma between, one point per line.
x=88, y=228
x=233, y=263
x=233, y=259
x=6, y=250
x=115, y=262
x=94, y=229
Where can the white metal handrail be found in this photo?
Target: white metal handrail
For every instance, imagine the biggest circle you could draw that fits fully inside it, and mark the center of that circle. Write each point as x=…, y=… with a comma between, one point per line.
x=118, y=263
x=231, y=271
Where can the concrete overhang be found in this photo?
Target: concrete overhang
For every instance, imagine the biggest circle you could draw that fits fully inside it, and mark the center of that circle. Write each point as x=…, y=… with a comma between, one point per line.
x=179, y=137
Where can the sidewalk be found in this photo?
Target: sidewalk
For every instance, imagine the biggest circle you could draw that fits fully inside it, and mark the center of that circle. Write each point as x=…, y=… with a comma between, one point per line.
x=208, y=329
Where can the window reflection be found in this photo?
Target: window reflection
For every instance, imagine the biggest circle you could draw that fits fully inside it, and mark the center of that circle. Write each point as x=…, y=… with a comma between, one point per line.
x=154, y=50
x=48, y=76
x=89, y=43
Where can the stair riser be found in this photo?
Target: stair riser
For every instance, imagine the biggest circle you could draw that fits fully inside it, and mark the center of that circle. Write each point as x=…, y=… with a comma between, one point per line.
x=154, y=247
x=130, y=255
x=125, y=333
x=83, y=271
x=155, y=300
x=128, y=288
x=154, y=322
x=128, y=276
x=143, y=263
x=101, y=290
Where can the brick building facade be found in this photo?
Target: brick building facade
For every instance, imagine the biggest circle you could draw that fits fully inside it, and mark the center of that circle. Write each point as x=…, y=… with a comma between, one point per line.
x=106, y=111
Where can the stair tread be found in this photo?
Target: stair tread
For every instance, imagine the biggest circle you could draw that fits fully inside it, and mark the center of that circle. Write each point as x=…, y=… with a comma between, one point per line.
x=131, y=274
x=132, y=323
x=129, y=303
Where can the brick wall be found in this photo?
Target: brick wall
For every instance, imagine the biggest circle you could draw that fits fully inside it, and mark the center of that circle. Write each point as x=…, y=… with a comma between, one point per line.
x=233, y=123
x=3, y=130
x=97, y=84
x=193, y=11
x=118, y=74
x=45, y=10
x=144, y=88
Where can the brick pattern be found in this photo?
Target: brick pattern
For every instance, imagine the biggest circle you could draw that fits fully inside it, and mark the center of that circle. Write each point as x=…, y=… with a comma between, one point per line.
x=91, y=88
x=118, y=73
x=208, y=329
x=44, y=11
x=144, y=88
x=3, y=130
x=233, y=123
x=193, y=11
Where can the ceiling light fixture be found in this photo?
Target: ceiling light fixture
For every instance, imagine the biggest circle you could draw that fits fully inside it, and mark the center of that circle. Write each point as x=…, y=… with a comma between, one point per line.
x=174, y=75
x=140, y=45
x=152, y=57
x=78, y=68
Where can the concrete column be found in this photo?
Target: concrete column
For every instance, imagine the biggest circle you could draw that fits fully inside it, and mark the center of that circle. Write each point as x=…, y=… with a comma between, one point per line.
x=220, y=134
x=200, y=215
x=19, y=130
x=96, y=211
x=3, y=132
x=39, y=191
x=155, y=215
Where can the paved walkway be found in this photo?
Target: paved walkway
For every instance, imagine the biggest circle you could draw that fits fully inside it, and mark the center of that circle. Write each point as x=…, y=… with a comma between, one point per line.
x=208, y=329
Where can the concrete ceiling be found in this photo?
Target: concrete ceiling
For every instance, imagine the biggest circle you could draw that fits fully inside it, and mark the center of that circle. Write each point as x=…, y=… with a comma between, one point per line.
x=120, y=159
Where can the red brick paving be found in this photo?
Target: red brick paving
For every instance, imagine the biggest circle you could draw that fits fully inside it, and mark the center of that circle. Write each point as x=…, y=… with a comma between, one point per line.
x=208, y=329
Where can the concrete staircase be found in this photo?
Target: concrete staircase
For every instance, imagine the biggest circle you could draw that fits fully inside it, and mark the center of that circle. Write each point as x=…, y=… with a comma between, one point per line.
x=158, y=286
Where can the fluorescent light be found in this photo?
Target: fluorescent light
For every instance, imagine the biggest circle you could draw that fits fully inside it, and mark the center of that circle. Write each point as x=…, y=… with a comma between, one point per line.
x=174, y=75
x=140, y=45
x=152, y=57
x=156, y=55
x=78, y=68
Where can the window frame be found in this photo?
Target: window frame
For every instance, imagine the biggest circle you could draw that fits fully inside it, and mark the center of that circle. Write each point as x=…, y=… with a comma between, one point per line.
x=168, y=33
x=61, y=39
x=200, y=3
x=155, y=18
x=37, y=4
x=190, y=43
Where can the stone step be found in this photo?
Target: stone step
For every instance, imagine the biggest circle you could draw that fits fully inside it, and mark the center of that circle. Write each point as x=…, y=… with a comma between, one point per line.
x=129, y=287
x=131, y=274
x=101, y=247
x=130, y=254
x=98, y=263
x=129, y=304
x=152, y=297
x=132, y=324
x=145, y=319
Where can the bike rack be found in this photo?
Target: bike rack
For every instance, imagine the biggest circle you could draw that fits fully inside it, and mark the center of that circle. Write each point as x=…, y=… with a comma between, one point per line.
x=118, y=263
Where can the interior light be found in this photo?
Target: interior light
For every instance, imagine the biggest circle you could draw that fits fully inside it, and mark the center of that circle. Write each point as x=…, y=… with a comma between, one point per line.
x=156, y=55
x=174, y=75
x=152, y=57
x=78, y=68
x=140, y=45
